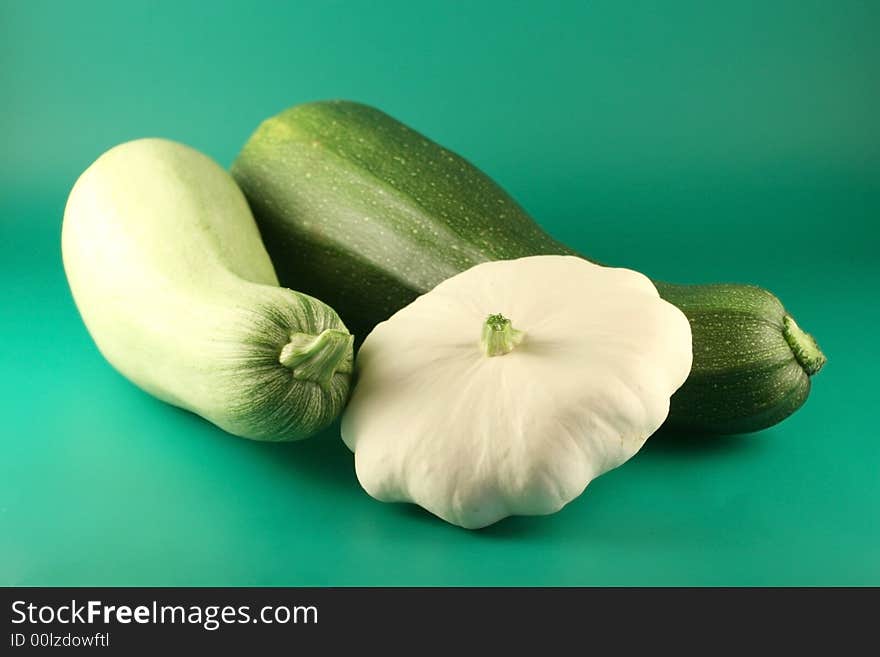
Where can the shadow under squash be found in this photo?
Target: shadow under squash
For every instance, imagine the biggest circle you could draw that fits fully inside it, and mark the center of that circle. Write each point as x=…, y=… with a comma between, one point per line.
x=509, y=527
x=323, y=457
x=677, y=442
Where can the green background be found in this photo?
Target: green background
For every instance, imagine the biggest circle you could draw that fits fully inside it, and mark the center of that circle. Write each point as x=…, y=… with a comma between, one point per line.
x=695, y=141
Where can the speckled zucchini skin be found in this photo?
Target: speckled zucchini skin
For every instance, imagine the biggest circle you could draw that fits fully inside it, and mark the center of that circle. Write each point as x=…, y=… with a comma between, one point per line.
x=365, y=213
x=745, y=375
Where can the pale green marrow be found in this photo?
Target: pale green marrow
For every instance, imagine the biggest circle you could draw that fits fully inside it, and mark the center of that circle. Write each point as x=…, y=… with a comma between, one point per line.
x=168, y=270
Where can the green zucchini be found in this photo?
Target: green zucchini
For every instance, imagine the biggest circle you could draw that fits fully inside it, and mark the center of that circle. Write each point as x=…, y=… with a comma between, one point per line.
x=168, y=271
x=361, y=210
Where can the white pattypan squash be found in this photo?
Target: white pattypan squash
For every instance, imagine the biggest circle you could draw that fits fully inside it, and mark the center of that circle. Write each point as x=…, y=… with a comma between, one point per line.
x=509, y=387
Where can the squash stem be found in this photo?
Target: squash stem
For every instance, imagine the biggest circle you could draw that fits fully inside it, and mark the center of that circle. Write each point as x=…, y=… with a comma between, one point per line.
x=499, y=337
x=803, y=345
x=318, y=357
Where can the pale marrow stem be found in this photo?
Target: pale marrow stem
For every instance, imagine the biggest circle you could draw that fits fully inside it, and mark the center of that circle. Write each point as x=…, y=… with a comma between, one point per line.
x=803, y=346
x=317, y=357
x=499, y=337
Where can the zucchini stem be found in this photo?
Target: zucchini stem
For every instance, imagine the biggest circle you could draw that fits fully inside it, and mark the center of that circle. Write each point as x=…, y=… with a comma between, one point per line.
x=803, y=345
x=317, y=357
x=499, y=337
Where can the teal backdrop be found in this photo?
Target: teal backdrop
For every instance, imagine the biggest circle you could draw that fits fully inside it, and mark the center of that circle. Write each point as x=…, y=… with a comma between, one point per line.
x=695, y=141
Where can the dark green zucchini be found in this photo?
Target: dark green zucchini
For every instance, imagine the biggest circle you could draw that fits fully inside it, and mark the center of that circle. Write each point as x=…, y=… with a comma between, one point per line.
x=363, y=212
